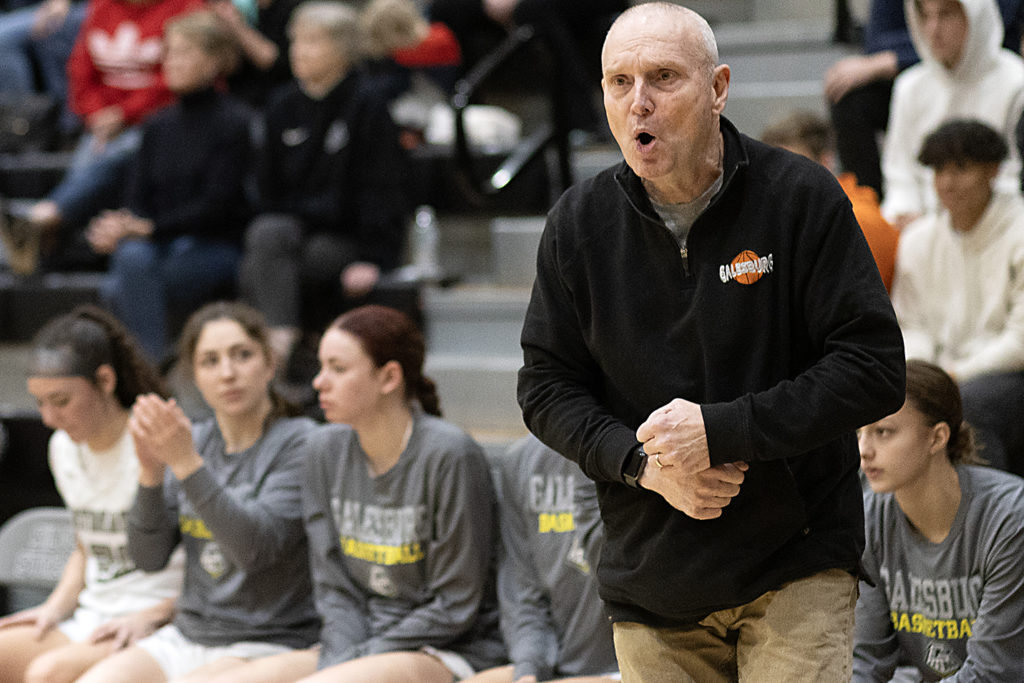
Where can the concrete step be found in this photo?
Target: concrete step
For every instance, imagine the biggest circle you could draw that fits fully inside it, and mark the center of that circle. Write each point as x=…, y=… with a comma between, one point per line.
x=776, y=67
x=471, y=321
x=474, y=356
x=478, y=392
x=13, y=361
x=514, y=242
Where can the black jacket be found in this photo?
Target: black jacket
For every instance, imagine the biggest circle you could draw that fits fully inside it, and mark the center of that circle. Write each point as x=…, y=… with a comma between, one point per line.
x=776, y=322
x=189, y=174
x=336, y=164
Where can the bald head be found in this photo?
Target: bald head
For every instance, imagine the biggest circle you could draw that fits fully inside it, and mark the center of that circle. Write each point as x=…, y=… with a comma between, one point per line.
x=689, y=24
x=663, y=94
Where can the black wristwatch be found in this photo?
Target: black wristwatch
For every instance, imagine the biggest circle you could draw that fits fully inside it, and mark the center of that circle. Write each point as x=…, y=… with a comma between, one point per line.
x=634, y=467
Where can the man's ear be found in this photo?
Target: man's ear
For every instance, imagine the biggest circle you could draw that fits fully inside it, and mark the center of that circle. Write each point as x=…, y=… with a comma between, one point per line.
x=720, y=82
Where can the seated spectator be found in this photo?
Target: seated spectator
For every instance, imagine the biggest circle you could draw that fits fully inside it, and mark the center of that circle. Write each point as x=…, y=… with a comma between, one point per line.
x=399, y=511
x=942, y=564
x=332, y=182
x=964, y=73
x=401, y=41
x=85, y=372
x=35, y=44
x=412, y=60
x=114, y=84
x=859, y=87
x=177, y=242
x=959, y=285
x=229, y=490
x=552, y=618
x=263, y=38
x=809, y=135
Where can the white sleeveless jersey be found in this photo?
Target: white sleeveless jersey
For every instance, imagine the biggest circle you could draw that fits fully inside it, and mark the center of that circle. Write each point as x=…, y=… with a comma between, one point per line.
x=99, y=489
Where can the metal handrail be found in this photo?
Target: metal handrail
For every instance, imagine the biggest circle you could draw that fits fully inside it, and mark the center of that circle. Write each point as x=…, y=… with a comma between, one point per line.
x=554, y=133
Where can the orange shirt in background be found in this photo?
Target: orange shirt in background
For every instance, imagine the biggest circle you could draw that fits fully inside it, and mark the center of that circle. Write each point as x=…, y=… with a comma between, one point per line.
x=882, y=237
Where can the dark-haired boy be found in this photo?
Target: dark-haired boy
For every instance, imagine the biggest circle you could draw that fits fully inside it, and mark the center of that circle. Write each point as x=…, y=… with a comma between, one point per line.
x=959, y=285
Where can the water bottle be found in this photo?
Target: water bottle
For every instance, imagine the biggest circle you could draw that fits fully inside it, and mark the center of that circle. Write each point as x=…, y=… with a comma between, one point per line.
x=425, y=242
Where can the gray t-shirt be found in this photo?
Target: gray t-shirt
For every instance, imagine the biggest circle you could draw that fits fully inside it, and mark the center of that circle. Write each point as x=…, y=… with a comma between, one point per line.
x=552, y=618
x=239, y=519
x=404, y=559
x=679, y=218
x=953, y=609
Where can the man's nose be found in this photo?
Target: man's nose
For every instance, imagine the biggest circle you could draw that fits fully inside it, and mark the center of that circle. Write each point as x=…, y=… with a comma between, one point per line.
x=642, y=102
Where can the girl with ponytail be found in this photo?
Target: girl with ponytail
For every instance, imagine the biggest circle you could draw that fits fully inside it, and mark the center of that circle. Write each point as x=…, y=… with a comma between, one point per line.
x=85, y=373
x=399, y=512
x=943, y=589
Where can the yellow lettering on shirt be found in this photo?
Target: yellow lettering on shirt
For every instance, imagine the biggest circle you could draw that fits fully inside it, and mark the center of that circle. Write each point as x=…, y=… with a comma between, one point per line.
x=941, y=629
x=559, y=523
x=407, y=553
x=194, y=527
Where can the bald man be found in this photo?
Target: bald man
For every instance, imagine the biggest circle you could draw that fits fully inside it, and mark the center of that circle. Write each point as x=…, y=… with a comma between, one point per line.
x=706, y=332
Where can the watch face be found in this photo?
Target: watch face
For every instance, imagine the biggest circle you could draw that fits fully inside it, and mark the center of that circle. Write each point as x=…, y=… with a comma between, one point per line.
x=635, y=466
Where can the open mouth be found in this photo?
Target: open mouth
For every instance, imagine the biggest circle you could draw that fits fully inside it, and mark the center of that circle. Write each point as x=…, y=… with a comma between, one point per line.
x=645, y=139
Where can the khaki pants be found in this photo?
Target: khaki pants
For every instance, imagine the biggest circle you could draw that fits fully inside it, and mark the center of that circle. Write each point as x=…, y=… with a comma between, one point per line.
x=801, y=632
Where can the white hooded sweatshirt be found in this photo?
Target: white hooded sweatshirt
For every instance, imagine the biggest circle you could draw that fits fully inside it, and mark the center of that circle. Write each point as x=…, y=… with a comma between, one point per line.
x=959, y=296
x=986, y=84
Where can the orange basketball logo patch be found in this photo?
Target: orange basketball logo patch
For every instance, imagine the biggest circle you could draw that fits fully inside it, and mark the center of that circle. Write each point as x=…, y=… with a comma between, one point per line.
x=747, y=268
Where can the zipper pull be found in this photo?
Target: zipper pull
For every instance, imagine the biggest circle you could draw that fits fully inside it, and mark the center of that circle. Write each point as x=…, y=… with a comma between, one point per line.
x=684, y=254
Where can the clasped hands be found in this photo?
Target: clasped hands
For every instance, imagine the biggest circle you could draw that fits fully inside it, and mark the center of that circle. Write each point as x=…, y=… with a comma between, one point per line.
x=679, y=464
x=106, y=230
x=163, y=438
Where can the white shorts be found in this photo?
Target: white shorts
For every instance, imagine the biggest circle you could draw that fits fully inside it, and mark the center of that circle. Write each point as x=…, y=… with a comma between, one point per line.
x=83, y=621
x=179, y=656
x=454, y=662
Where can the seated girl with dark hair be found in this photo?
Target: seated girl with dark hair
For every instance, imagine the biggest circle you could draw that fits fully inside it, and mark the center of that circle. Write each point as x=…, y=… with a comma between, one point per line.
x=85, y=372
x=399, y=510
x=944, y=586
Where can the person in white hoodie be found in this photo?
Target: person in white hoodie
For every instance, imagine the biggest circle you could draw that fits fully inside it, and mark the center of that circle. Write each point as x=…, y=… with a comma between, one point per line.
x=958, y=290
x=964, y=72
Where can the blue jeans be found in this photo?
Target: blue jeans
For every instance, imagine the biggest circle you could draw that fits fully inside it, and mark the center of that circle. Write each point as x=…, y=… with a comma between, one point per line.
x=94, y=178
x=20, y=52
x=150, y=284
x=993, y=405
